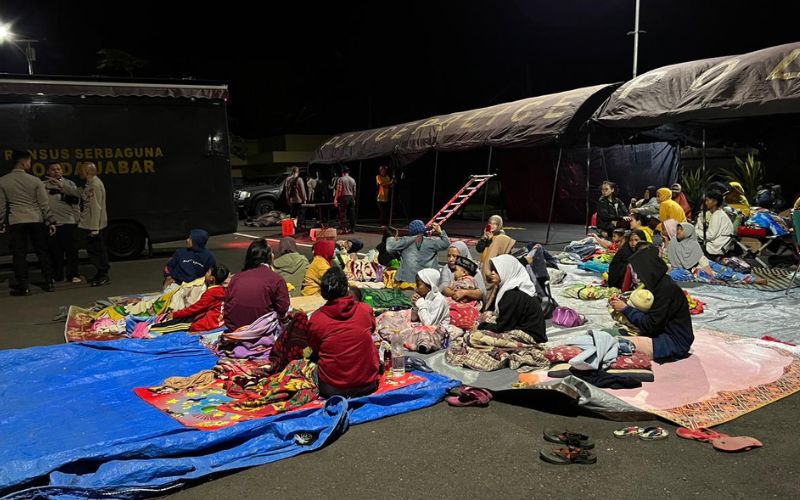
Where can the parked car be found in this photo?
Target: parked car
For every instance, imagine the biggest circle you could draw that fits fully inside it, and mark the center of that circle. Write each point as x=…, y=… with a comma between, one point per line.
x=258, y=198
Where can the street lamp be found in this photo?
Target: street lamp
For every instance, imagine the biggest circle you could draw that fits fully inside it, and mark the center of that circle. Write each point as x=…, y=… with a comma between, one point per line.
x=29, y=52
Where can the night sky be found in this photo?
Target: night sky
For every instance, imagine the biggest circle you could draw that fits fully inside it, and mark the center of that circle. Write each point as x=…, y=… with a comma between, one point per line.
x=314, y=67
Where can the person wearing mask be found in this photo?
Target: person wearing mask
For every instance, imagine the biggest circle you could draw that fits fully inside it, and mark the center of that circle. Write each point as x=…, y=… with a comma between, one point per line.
x=93, y=221
x=189, y=263
x=65, y=205
x=714, y=228
x=416, y=250
x=736, y=199
x=666, y=329
x=517, y=307
x=384, y=183
x=291, y=265
x=680, y=198
x=340, y=338
x=25, y=213
x=611, y=212
x=255, y=291
x=345, y=201
x=668, y=208
x=324, y=251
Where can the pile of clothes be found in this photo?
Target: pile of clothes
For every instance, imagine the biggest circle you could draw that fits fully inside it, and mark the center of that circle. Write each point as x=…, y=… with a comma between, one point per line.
x=272, y=218
x=487, y=351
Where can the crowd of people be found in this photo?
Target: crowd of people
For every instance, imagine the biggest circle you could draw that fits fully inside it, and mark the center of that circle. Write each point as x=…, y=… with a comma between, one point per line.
x=58, y=218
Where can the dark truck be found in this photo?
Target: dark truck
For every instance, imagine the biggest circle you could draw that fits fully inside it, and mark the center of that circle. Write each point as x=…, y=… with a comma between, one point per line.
x=260, y=196
x=161, y=148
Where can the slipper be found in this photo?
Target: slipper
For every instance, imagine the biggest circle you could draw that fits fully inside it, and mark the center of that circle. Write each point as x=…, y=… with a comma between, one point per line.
x=470, y=396
x=627, y=432
x=733, y=444
x=573, y=439
x=417, y=364
x=568, y=456
x=653, y=434
x=701, y=434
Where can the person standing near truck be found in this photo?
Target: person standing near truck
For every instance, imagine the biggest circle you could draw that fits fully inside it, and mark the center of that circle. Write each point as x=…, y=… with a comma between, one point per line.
x=93, y=221
x=64, y=202
x=295, y=192
x=345, y=200
x=25, y=213
x=384, y=183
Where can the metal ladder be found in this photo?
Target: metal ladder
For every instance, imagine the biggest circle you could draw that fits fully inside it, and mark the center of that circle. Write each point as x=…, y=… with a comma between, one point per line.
x=472, y=186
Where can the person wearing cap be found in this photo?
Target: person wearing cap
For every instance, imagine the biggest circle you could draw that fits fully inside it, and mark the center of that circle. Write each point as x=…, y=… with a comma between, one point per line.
x=680, y=198
x=736, y=199
x=714, y=227
x=417, y=251
x=463, y=293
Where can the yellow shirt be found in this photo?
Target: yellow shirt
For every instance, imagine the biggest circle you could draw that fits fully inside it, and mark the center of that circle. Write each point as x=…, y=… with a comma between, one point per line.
x=383, y=182
x=648, y=233
x=670, y=210
x=313, y=277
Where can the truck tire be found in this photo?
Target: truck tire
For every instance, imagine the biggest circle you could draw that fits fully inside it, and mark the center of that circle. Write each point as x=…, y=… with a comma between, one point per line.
x=125, y=240
x=264, y=205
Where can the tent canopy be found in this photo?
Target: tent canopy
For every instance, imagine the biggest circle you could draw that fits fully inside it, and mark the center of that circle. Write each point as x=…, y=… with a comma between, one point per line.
x=764, y=82
x=529, y=122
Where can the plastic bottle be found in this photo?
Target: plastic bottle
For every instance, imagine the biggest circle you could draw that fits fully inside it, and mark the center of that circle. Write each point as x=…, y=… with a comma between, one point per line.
x=398, y=355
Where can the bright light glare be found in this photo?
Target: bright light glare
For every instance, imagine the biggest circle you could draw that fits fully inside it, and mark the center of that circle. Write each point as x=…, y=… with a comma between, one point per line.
x=5, y=33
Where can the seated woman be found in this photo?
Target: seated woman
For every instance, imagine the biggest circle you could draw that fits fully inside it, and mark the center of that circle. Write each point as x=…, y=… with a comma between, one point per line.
x=611, y=212
x=641, y=222
x=323, y=251
x=517, y=307
x=736, y=199
x=494, y=227
x=417, y=251
x=617, y=268
x=205, y=314
x=425, y=326
x=685, y=253
x=345, y=249
x=463, y=294
x=459, y=249
x=714, y=227
x=291, y=265
x=255, y=291
x=668, y=208
x=666, y=329
x=647, y=206
x=190, y=263
x=680, y=198
x=340, y=337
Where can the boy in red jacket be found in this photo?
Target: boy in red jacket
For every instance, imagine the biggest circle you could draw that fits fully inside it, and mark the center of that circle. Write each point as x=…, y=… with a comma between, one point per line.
x=340, y=336
x=206, y=313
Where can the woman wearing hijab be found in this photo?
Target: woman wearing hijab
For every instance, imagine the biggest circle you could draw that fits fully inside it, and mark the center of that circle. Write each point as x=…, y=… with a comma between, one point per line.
x=647, y=206
x=417, y=251
x=494, y=227
x=255, y=291
x=323, y=255
x=459, y=249
x=685, y=253
x=736, y=199
x=291, y=265
x=517, y=307
x=680, y=199
x=666, y=329
x=668, y=209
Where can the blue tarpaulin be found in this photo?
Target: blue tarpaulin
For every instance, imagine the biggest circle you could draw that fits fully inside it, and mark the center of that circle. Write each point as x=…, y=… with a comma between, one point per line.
x=69, y=420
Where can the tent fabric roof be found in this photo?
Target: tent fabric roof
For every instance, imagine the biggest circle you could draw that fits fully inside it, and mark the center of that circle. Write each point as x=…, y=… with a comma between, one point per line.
x=764, y=82
x=82, y=86
x=528, y=122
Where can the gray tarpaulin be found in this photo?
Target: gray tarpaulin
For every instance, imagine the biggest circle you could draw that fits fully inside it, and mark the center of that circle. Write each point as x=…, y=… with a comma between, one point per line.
x=529, y=122
x=764, y=82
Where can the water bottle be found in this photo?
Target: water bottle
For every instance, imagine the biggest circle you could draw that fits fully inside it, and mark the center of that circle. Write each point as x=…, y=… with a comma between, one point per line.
x=398, y=356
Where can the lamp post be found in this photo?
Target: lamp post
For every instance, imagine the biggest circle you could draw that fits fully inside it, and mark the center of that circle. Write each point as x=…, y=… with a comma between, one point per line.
x=29, y=52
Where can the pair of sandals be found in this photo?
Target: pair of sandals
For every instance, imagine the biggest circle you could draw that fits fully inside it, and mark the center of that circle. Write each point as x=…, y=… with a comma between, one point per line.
x=468, y=396
x=643, y=433
x=575, y=452
x=720, y=441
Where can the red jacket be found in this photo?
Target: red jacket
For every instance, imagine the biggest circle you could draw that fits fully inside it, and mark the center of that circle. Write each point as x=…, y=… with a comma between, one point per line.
x=340, y=332
x=252, y=294
x=207, y=312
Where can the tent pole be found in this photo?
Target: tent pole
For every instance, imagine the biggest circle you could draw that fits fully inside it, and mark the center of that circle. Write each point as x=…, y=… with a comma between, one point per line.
x=486, y=186
x=435, y=173
x=703, y=201
x=553, y=197
x=588, y=174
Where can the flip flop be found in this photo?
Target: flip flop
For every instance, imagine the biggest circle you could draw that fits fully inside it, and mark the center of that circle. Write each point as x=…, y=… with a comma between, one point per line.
x=568, y=456
x=627, y=432
x=701, y=434
x=573, y=439
x=732, y=444
x=470, y=396
x=653, y=434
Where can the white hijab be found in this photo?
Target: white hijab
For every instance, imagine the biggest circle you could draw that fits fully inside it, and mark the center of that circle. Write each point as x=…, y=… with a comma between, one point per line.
x=512, y=275
x=431, y=277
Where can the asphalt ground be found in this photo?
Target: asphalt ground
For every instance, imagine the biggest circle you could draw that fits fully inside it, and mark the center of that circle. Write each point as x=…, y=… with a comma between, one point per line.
x=445, y=452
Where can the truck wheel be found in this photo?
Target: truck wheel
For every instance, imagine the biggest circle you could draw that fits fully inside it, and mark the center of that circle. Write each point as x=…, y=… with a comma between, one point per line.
x=125, y=240
x=263, y=206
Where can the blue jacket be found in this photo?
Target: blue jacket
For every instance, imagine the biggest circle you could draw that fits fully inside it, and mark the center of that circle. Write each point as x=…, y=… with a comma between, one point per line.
x=188, y=264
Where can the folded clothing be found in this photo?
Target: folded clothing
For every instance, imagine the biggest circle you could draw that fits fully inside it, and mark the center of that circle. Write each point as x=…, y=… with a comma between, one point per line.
x=489, y=351
x=564, y=353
